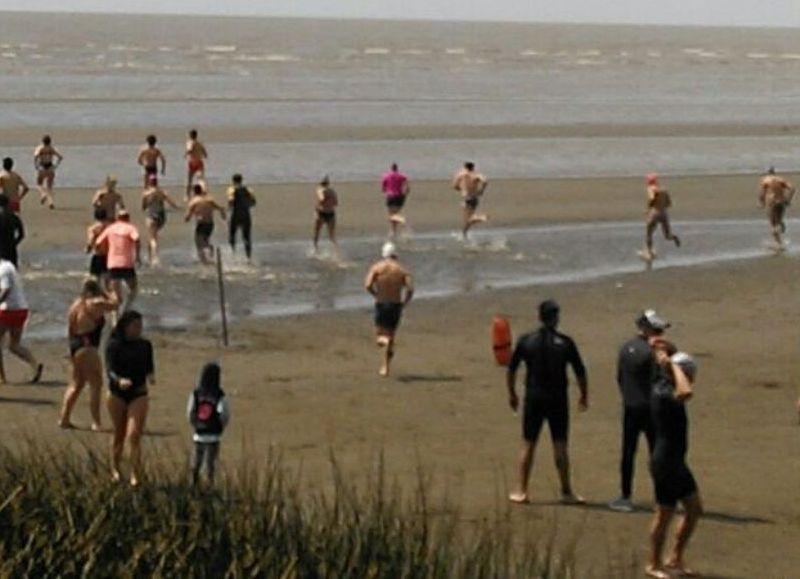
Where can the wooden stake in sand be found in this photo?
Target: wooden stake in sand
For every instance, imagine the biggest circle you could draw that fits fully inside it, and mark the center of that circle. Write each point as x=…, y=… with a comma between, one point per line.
x=222, y=306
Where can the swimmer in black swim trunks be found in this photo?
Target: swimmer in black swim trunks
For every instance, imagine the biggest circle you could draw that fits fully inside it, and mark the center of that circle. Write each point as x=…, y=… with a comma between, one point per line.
x=673, y=481
x=149, y=158
x=241, y=202
x=202, y=208
x=46, y=159
x=130, y=367
x=472, y=186
x=325, y=213
x=154, y=202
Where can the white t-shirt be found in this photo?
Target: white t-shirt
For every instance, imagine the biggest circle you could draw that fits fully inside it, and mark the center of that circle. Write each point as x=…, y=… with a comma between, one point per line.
x=10, y=280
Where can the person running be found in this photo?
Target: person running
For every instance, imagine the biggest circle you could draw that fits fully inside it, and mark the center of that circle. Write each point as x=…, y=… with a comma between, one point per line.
x=108, y=199
x=325, y=213
x=12, y=232
x=209, y=413
x=241, y=202
x=122, y=245
x=130, y=366
x=149, y=158
x=635, y=375
x=546, y=354
x=674, y=482
x=658, y=204
x=202, y=208
x=46, y=159
x=12, y=185
x=196, y=156
x=396, y=189
x=776, y=195
x=154, y=202
x=392, y=286
x=471, y=185
x=13, y=316
x=98, y=262
x=85, y=322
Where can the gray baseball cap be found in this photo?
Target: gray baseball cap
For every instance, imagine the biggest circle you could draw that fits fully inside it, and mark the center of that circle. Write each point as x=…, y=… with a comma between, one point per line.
x=651, y=320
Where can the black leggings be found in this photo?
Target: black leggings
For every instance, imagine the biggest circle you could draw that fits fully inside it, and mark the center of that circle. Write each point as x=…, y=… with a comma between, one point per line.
x=246, y=226
x=636, y=420
x=205, y=452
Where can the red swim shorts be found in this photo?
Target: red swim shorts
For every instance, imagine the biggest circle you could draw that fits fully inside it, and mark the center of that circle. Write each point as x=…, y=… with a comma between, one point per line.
x=13, y=319
x=196, y=165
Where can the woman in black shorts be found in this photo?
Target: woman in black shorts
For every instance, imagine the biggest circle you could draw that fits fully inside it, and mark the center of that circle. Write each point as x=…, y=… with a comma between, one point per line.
x=130, y=366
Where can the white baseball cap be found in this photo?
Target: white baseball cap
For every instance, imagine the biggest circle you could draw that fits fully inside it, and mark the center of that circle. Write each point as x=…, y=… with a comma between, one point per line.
x=650, y=319
x=389, y=250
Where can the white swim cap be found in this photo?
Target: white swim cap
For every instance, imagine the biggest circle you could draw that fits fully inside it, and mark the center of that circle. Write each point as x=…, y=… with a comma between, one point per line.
x=389, y=250
x=686, y=363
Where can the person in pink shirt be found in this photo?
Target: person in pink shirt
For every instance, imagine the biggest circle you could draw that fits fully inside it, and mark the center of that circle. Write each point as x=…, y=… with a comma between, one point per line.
x=122, y=245
x=395, y=186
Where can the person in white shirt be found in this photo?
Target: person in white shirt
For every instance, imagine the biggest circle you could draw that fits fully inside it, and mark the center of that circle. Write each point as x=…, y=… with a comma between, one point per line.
x=13, y=316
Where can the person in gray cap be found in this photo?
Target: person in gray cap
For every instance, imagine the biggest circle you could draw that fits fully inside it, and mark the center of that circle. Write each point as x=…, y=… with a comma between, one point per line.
x=636, y=369
x=546, y=354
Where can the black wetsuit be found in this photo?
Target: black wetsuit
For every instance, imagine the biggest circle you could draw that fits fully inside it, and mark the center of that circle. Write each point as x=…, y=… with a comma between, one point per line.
x=12, y=232
x=131, y=359
x=240, y=203
x=547, y=353
x=672, y=478
x=635, y=374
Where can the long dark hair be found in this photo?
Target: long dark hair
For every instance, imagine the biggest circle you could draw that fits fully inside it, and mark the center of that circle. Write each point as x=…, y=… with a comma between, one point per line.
x=125, y=320
x=210, y=379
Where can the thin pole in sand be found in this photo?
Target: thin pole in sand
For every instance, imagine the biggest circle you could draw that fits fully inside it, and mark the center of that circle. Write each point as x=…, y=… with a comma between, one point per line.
x=222, y=306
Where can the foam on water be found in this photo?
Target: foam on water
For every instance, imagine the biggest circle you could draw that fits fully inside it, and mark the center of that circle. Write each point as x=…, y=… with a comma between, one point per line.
x=221, y=48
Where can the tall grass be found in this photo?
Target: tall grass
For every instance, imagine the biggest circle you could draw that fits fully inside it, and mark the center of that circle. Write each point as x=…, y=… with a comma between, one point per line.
x=60, y=516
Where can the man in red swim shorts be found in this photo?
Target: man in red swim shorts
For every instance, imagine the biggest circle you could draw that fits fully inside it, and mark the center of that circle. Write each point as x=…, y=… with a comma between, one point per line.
x=13, y=316
x=196, y=156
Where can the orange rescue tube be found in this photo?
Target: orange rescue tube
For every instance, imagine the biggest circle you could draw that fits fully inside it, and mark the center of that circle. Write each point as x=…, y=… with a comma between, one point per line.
x=501, y=340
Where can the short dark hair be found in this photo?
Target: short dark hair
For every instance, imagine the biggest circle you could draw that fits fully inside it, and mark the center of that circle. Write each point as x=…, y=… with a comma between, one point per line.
x=47, y=140
x=193, y=134
x=548, y=311
x=100, y=214
x=151, y=140
x=8, y=163
x=394, y=166
x=237, y=178
x=198, y=189
x=469, y=166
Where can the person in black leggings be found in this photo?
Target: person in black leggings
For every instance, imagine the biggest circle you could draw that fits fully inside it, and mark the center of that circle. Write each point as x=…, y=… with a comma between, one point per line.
x=241, y=200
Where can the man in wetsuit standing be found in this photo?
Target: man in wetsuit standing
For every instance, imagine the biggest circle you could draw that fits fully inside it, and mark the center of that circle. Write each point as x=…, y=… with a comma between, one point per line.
x=635, y=374
x=546, y=354
x=12, y=232
x=240, y=201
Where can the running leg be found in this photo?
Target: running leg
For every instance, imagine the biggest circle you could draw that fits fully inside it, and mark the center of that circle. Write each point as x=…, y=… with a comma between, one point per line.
x=694, y=510
x=21, y=352
x=247, y=230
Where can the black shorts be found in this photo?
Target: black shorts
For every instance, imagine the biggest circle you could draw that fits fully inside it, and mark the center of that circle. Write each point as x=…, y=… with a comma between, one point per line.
x=396, y=202
x=472, y=203
x=97, y=265
x=673, y=482
x=127, y=396
x=537, y=410
x=387, y=316
x=151, y=170
x=123, y=273
x=326, y=216
x=203, y=232
x=158, y=218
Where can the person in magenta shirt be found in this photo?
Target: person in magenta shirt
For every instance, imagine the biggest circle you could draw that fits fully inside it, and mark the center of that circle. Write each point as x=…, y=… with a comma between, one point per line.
x=121, y=242
x=395, y=186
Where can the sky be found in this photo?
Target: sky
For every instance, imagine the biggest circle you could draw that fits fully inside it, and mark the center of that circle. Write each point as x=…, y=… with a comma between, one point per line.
x=785, y=13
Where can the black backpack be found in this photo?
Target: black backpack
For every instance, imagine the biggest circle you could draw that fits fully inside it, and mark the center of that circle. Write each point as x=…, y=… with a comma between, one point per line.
x=206, y=418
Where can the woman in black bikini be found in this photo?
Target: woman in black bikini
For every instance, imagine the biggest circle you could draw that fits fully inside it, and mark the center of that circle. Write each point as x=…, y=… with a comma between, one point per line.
x=86, y=320
x=130, y=367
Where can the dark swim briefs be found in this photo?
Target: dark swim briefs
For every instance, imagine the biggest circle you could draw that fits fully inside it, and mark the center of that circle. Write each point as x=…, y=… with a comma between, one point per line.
x=387, y=315
x=472, y=202
x=127, y=396
x=326, y=216
x=673, y=482
x=537, y=411
x=124, y=273
x=151, y=170
x=203, y=231
x=396, y=201
x=97, y=265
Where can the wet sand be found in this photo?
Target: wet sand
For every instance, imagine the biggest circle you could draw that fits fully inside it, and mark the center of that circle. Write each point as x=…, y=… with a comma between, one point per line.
x=307, y=385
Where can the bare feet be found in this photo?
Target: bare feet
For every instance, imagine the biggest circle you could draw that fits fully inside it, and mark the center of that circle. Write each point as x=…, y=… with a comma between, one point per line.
x=66, y=425
x=384, y=371
x=679, y=568
x=135, y=482
x=519, y=498
x=116, y=476
x=656, y=572
x=97, y=427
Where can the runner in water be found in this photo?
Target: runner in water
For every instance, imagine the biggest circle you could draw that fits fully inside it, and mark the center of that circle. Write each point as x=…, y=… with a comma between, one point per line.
x=673, y=481
x=392, y=286
x=12, y=185
x=13, y=317
x=85, y=322
x=396, y=189
x=240, y=202
x=12, y=232
x=776, y=195
x=46, y=159
x=149, y=158
x=202, y=208
x=658, y=204
x=196, y=156
x=154, y=202
x=471, y=185
x=98, y=266
x=325, y=213
x=108, y=199
x=546, y=354
x=122, y=243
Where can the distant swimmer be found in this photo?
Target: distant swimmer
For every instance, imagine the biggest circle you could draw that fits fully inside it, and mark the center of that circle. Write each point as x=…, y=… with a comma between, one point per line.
x=658, y=204
x=108, y=198
x=202, y=208
x=46, y=159
x=98, y=266
x=325, y=212
x=13, y=317
x=392, y=286
x=85, y=322
x=196, y=156
x=546, y=354
x=149, y=158
x=154, y=202
x=776, y=195
x=240, y=202
x=12, y=185
x=396, y=189
x=121, y=242
x=471, y=185
x=12, y=232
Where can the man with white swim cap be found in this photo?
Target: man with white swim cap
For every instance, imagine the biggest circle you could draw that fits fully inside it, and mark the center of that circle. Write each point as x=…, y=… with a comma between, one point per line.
x=392, y=286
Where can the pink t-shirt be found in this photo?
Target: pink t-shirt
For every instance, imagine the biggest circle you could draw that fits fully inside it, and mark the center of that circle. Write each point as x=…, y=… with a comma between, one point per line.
x=394, y=183
x=121, y=238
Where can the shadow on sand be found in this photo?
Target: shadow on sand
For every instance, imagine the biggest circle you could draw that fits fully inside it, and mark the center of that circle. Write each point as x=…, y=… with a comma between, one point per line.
x=432, y=378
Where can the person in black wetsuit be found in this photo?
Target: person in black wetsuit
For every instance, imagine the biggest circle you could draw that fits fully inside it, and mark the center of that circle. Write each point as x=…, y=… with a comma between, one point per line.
x=130, y=367
x=673, y=481
x=12, y=232
x=635, y=374
x=546, y=353
x=240, y=201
